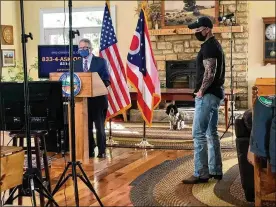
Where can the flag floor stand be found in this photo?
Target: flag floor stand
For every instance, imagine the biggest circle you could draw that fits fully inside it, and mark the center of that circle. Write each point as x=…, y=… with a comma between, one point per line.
x=144, y=143
x=110, y=141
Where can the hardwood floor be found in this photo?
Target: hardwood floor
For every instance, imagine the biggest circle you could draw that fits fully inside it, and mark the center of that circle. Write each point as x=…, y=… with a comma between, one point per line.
x=111, y=177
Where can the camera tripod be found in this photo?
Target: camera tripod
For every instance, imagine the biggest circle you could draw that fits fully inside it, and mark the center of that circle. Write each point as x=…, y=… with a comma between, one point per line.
x=73, y=164
x=32, y=177
x=232, y=117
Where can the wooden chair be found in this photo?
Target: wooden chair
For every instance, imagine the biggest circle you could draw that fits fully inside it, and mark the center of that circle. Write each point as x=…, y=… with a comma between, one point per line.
x=11, y=171
x=264, y=179
x=39, y=150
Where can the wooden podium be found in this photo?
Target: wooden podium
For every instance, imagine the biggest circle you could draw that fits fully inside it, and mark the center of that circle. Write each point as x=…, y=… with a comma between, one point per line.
x=91, y=86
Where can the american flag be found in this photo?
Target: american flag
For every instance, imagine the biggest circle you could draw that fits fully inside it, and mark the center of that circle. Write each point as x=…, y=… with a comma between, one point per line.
x=118, y=92
x=142, y=71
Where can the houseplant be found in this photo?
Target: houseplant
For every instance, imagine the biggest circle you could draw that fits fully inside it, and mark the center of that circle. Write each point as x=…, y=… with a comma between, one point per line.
x=16, y=74
x=153, y=12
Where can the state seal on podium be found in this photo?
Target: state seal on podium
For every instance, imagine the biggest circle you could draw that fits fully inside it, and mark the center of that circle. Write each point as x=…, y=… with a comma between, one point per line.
x=65, y=79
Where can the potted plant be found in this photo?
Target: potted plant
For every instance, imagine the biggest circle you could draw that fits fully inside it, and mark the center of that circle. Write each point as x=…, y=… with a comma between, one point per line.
x=155, y=19
x=16, y=74
x=155, y=14
x=153, y=11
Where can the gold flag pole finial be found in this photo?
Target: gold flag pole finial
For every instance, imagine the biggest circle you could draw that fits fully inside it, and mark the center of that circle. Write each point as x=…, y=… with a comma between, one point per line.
x=144, y=6
x=108, y=3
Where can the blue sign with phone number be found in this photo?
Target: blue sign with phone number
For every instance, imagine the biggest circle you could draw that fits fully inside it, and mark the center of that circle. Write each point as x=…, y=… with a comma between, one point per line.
x=54, y=58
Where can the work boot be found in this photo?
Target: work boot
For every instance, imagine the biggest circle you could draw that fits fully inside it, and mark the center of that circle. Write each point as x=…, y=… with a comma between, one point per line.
x=217, y=177
x=195, y=180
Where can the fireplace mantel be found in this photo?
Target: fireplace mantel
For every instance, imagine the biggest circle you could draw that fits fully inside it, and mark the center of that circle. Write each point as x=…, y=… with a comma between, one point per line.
x=178, y=31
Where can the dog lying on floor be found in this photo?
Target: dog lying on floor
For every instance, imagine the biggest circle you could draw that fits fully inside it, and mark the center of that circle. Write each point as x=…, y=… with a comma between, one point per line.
x=176, y=117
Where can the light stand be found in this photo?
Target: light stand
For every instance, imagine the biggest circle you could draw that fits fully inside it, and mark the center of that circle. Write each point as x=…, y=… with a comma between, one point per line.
x=232, y=118
x=32, y=177
x=73, y=164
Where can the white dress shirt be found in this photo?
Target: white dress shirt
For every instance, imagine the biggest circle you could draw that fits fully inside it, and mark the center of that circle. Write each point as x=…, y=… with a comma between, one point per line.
x=89, y=60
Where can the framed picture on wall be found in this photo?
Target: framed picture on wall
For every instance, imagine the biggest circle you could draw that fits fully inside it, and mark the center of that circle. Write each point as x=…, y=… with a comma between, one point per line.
x=8, y=58
x=177, y=14
x=6, y=35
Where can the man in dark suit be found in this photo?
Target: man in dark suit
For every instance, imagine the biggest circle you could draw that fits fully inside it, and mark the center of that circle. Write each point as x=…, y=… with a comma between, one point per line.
x=97, y=106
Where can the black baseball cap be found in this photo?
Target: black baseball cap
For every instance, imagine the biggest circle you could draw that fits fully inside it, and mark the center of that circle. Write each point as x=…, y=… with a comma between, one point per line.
x=201, y=22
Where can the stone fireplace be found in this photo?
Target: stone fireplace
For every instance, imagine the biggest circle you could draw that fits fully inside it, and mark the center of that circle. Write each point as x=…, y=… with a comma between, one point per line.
x=180, y=74
x=173, y=52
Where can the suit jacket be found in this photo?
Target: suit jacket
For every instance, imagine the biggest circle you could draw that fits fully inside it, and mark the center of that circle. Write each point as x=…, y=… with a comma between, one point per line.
x=98, y=65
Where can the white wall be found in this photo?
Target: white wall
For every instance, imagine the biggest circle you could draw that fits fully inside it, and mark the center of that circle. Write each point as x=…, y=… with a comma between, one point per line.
x=256, y=69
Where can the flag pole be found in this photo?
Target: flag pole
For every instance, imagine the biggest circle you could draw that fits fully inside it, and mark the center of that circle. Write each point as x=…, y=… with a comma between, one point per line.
x=144, y=143
x=110, y=141
x=144, y=134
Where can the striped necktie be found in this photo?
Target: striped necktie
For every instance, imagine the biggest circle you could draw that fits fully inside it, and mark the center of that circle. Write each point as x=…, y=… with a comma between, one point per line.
x=85, y=67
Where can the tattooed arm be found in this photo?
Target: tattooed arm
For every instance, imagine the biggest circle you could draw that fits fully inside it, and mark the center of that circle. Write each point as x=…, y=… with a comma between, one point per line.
x=210, y=66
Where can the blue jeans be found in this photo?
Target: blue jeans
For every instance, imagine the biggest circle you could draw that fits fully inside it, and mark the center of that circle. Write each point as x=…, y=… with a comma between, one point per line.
x=207, y=155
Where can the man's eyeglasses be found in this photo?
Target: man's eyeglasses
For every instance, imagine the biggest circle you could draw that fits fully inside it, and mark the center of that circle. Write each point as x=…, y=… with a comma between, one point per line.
x=84, y=48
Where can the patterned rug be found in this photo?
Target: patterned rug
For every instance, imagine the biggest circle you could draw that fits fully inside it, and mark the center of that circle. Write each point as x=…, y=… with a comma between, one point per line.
x=160, y=136
x=162, y=186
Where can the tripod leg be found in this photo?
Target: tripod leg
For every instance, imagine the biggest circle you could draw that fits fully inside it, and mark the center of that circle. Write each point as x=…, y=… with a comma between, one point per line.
x=61, y=178
x=11, y=198
x=74, y=177
x=45, y=161
x=58, y=186
x=89, y=185
x=46, y=196
x=31, y=184
x=50, y=199
x=43, y=188
x=46, y=166
x=64, y=181
x=83, y=180
x=38, y=164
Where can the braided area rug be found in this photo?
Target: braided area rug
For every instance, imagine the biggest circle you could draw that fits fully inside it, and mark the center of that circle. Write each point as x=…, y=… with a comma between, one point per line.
x=160, y=136
x=162, y=186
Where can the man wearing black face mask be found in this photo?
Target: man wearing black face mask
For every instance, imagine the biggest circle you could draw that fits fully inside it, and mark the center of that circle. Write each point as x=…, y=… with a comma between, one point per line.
x=209, y=93
x=97, y=106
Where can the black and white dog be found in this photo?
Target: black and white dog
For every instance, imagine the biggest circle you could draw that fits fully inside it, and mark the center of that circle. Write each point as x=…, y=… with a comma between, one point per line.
x=176, y=118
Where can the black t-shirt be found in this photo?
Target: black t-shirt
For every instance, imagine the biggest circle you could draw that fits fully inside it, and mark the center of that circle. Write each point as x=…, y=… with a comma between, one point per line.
x=211, y=49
